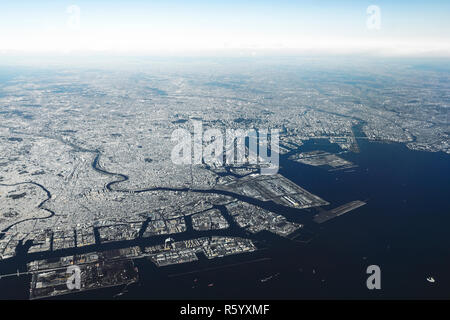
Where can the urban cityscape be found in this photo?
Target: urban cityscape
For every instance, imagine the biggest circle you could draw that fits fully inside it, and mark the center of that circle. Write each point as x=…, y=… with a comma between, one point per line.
x=303, y=167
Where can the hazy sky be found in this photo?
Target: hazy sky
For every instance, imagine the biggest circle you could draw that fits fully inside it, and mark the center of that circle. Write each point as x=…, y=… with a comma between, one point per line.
x=226, y=27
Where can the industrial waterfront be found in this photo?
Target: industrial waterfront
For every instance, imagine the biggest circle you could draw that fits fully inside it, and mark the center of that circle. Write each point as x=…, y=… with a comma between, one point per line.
x=336, y=250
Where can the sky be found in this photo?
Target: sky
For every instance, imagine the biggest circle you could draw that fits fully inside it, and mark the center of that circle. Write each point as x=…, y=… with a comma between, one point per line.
x=228, y=27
